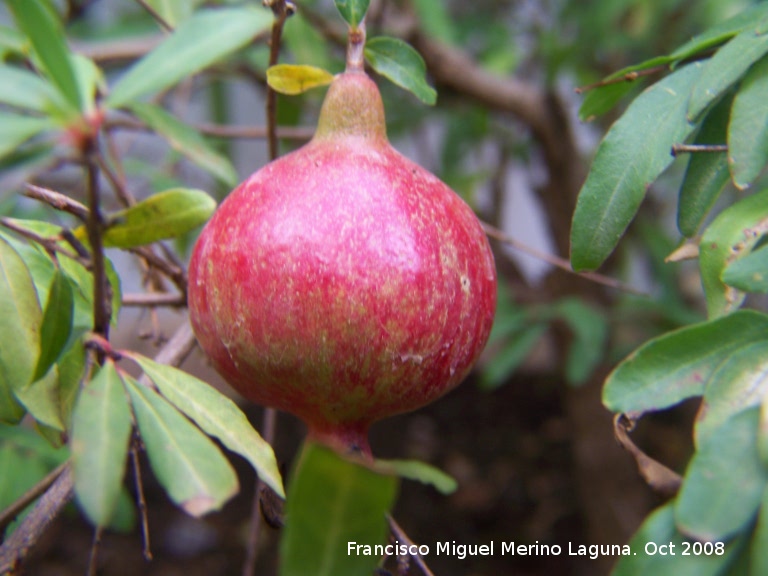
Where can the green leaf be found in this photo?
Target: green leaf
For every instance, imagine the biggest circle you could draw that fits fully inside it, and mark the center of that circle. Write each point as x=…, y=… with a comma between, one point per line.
x=748, y=129
x=37, y=19
x=398, y=61
x=42, y=401
x=725, y=68
x=20, y=336
x=419, y=471
x=186, y=140
x=509, y=358
x=331, y=503
x=294, y=79
x=208, y=36
x=729, y=237
x=216, y=415
x=707, y=172
x=633, y=154
x=12, y=41
x=724, y=483
x=18, y=129
x=759, y=559
x=590, y=335
x=56, y=326
x=749, y=273
x=167, y=214
x=353, y=11
x=82, y=289
x=187, y=463
x=722, y=32
x=23, y=89
x=676, y=365
x=739, y=383
x=101, y=431
x=659, y=530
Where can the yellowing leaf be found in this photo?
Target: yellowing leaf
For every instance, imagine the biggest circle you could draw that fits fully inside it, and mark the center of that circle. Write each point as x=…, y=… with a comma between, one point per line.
x=294, y=79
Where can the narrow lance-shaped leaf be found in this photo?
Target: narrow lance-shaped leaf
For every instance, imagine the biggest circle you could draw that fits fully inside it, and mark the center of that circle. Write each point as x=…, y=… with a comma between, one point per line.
x=23, y=89
x=419, y=471
x=20, y=338
x=205, y=38
x=39, y=22
x=186, y=140
x=353, y=11
x=163, y=215
x=18, y=129
x=748, y=128
x=633, y=154
x=509, y=358
x=676, y=366
x=722, y=32
x=187, y=463
x=707, y=172
x=216, y=415
x=398, y=61
x=590, y=333
x=728, y=238
x=292, y=79
x=101, y=430
x=56, y=325
x=724, y=483
x=725, y=68
x=333, y=503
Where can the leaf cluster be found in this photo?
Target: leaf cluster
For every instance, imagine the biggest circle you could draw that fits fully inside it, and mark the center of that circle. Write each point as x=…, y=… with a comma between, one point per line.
x=713, y=98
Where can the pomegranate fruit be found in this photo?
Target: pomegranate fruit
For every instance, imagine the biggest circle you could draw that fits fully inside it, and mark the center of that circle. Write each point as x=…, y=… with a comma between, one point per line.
x=342, y=282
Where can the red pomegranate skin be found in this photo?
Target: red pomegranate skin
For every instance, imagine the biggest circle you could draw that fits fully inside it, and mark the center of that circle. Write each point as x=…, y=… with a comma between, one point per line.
x=342, y=282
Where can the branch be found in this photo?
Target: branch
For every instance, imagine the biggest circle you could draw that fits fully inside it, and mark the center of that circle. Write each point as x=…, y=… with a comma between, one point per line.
x=558, y=262
x=56, y=200
x=150, y=299
x=16, y=548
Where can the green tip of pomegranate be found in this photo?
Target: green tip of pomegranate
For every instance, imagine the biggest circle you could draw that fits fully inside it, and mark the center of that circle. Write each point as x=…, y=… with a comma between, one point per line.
x=343, y=283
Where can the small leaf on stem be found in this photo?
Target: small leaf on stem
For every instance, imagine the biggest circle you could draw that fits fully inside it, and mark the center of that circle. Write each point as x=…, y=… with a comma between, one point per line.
x=353, y=11
x=400, y=63
x=292, y=79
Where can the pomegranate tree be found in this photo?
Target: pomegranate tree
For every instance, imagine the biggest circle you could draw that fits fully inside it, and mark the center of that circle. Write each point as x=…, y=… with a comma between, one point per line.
x=342, y=282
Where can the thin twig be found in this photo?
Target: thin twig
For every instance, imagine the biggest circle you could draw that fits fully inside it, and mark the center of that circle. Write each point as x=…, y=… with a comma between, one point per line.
x=140, y=500
x=117, y=182
x=102, y=307
x=694, y=148
x=628, y=77
x=93, y=560
x=150, y=299
x=254, y=132
x=269, y=427
x=174, y=272
x=56, y=200
x=558, y=262
x=156, y=15
x=403, y=537
x=281, y=13
x=9, y=514
x=50, y=244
